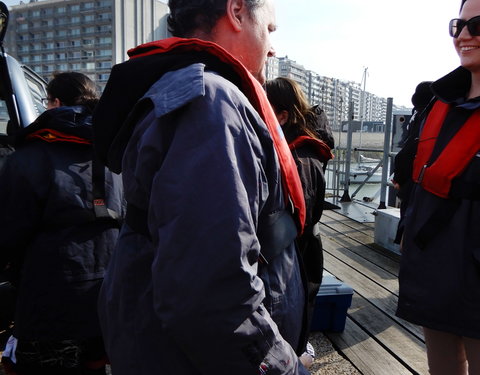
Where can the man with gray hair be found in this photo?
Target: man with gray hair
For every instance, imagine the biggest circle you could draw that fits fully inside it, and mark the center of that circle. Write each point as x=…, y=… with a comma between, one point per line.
x=205, y=278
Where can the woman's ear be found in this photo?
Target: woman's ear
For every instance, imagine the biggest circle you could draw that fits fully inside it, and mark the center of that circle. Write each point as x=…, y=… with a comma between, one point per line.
x=55, y=103
x=282, y=117
x=236, y=12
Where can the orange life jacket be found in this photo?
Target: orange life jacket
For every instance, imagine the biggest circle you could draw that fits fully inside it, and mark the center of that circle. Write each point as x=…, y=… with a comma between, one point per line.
x=256, y=95
x=436, y=177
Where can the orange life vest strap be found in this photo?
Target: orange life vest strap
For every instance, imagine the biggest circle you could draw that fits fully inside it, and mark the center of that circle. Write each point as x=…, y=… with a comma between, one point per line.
x=437, y=177
x=256, y=95
x=321, y=147
x=50, y=135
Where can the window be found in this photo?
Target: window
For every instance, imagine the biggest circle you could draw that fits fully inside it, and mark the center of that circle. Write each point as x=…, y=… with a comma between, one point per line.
x=104, y=28
x=88, y=42
x=61, y=56
x=75, y=8
x=88, y=5
x=75, y=31
x=105, y=52
x=75, y=19
x=62, y=67
x=4, y=116
x=61, y=10
x=75, y=43
x=90, y=66
x=105, y=40
x=76, y=66
x=89, y=18
x=89, y=30
x=104, y=65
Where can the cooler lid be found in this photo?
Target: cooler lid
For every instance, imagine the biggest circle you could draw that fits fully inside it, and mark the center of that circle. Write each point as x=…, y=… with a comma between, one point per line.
x=332, y=286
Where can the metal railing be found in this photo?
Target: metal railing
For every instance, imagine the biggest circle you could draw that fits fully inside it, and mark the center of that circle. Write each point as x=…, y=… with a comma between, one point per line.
x=348, y=166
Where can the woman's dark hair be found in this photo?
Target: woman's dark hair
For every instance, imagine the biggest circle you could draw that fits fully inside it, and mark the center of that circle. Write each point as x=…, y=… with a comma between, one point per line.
x=188, y=16
x=284, y=94
x=73, y=88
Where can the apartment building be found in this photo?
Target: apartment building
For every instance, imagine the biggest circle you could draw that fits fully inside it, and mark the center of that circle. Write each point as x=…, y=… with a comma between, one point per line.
x=337, y=97
x=89, y=36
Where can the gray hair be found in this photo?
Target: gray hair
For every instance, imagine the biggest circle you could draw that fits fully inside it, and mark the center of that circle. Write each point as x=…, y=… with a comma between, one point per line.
x=188, y=16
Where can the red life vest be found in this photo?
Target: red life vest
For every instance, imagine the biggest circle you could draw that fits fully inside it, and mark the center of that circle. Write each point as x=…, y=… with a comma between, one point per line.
x=256, y=95
x=437, y=177
x=321, y=147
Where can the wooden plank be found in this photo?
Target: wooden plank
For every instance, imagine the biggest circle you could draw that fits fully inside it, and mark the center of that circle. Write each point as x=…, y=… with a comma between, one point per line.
x=406, y=347
x=378, y=296
x=366, y=354
x=331, y=237
x=367, y=228
x=370, y=270
x=346, y=230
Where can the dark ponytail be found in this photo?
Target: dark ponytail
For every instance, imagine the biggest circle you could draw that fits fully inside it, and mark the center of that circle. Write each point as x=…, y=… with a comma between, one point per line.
x=73, y=88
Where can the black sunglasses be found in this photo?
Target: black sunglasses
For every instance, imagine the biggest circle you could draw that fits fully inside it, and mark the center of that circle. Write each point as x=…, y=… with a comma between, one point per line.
x=456, y=26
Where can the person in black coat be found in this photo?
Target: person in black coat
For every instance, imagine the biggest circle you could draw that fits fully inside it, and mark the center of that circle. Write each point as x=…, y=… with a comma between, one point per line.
x=58, y=231
x=300, y=123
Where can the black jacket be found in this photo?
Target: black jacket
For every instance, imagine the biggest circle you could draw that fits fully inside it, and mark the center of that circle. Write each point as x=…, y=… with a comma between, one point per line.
x=45, y=190
x=310, y=164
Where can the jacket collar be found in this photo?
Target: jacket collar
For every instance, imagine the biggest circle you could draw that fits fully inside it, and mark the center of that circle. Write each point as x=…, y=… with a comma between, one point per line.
x=453, y=88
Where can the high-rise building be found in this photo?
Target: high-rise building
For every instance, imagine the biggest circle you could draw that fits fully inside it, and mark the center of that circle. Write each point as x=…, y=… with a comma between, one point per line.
x=87, y=36
x=336, y=97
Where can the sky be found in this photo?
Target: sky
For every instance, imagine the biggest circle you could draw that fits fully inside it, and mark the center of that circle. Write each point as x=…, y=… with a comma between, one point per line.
x=401, y=43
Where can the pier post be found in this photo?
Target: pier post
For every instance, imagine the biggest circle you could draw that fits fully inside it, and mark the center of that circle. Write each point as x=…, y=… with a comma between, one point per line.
x=386, y=153
x=348, y=157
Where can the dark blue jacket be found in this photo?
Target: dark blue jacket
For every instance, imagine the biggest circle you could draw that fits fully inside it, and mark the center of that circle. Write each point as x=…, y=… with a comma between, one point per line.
x=193, y=298
x=45, y=187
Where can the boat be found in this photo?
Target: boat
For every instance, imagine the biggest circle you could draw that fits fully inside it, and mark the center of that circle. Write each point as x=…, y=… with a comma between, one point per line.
x=360, y=174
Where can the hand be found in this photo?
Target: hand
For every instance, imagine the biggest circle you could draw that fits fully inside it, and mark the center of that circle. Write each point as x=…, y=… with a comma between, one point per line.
x=306, y=360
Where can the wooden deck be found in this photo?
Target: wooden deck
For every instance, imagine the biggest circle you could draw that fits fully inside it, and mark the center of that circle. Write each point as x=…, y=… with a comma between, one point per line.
x=375, y=341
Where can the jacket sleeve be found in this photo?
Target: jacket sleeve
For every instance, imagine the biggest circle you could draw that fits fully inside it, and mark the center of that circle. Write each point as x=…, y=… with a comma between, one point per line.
x=204, y=207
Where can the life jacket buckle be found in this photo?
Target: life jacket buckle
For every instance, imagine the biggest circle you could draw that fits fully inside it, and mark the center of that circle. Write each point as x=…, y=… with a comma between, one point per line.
x=422, y=173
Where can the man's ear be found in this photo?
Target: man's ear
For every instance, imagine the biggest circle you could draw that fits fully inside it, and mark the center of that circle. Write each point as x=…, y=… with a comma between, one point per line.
x=236, y=12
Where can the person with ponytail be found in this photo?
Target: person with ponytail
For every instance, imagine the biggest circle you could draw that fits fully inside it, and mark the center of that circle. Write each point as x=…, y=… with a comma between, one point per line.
x=299, y=124
x=58, y=224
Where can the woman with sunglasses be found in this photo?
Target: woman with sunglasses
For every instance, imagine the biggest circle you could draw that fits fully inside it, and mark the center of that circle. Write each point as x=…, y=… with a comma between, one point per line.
x=440, y=265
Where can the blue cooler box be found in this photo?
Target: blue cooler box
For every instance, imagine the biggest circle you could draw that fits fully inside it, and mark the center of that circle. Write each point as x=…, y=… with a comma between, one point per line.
x=331, y=305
